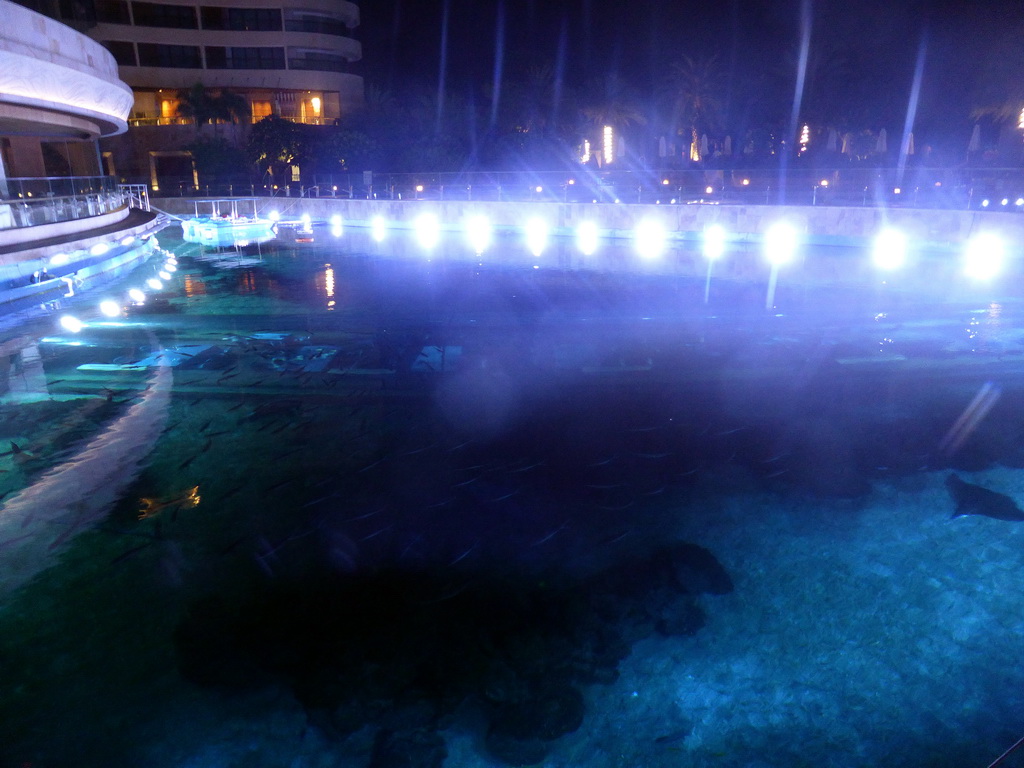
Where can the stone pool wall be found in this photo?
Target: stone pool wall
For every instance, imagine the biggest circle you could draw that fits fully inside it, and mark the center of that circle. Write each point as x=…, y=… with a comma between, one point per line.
x=820, y=225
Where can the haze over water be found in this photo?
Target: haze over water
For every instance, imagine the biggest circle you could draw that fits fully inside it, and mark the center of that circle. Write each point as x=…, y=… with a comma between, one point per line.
x=440, y=509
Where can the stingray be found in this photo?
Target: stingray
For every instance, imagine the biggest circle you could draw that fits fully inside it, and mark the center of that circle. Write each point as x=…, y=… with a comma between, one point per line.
x=974, y=500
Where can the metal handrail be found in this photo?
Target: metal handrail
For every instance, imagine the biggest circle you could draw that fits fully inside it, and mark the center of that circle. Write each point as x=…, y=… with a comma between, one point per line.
x=991, y=189
x=136, y=196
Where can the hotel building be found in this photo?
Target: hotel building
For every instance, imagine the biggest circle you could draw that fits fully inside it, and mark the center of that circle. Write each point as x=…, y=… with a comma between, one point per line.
x=290, y=58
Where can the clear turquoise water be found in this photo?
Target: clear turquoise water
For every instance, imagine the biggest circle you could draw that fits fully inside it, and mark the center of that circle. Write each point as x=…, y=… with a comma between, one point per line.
x=515, y=510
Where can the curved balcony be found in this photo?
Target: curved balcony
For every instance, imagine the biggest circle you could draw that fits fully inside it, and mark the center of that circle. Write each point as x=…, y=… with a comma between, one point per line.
x=38, y=208
x=56, y=82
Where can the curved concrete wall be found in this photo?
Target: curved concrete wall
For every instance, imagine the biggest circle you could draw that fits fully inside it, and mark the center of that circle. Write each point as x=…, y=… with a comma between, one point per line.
x=55, y=81
x=25, y=236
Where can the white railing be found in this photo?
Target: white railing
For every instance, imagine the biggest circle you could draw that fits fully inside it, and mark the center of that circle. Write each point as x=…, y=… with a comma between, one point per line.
x=136, y=195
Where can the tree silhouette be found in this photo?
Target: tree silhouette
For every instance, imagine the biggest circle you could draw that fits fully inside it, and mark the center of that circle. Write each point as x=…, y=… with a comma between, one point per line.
x=694, y=88
x=203, y=106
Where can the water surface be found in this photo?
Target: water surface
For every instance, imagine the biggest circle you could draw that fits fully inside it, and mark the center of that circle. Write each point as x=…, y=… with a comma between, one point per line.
x=410, y=508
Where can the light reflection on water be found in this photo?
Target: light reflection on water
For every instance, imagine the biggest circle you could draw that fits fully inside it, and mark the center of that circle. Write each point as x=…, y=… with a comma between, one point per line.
x=457, y=435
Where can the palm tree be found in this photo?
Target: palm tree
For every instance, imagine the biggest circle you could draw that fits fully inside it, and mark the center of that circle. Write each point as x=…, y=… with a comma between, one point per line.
x=693, y=89
x=610, y=105
x=204, y=106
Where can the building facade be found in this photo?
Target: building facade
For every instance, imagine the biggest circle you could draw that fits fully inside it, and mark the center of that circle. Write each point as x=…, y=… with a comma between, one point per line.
x=290, y=58
x=59, y=94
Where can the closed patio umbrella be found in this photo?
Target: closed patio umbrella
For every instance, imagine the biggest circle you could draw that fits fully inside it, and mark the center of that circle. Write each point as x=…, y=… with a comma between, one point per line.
x=975, y=144
x=909, y=148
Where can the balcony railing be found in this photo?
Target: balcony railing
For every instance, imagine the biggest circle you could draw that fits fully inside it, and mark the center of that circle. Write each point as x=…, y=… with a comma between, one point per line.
x=30, y=202
x=154, y=120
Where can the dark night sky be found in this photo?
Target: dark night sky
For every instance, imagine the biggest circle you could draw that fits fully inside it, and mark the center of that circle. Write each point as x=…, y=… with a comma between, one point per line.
x=878, y=40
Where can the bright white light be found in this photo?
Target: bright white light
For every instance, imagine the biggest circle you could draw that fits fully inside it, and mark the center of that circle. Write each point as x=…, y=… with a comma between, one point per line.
x=586, y=238
x=378, y=228
x=110, y=308
x=478, y=232
x=155, y=284
x=536, y=235
x=71, y=323
x=99, y=249
x=780, y=242
x=609, y=144
x=136, y=295
x=984, y=203
x=306, y=220
x=59, y=259
x=649, y=238
x=890, y=250
x=984, y=256
x=274, y=216
x=714, y=241
x=336, y=220
x=128, y=240
x=336, y=230
x=164, y=275
x=709, y=190
x=1004, y=201
x=171, y=259
x=168, y=267
x=428, y=230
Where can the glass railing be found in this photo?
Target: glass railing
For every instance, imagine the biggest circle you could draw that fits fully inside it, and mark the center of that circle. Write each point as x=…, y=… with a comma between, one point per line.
x=992, y=189
x=137, y=121
x=30, y=202
x=318, y=63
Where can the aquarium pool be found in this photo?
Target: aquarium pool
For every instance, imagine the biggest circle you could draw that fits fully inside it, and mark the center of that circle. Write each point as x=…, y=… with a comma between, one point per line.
x=341, y=500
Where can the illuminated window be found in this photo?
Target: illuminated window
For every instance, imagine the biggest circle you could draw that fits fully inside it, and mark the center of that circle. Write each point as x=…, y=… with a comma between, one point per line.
x=309, y=109
x=261, y=109
x=167, y=108
x=295, y=173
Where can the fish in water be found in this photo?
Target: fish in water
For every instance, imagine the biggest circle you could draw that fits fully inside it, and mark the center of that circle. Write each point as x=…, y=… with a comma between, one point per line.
x=150, y=507
x=974, y=500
